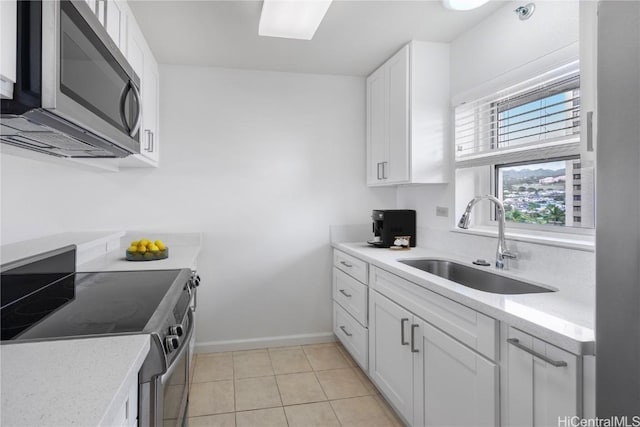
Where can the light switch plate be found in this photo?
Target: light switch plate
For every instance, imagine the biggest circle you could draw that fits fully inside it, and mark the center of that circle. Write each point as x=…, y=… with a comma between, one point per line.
x=442, y=211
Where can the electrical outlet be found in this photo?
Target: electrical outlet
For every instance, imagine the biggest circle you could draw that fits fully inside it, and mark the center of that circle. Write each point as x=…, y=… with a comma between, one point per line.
x=442, y=211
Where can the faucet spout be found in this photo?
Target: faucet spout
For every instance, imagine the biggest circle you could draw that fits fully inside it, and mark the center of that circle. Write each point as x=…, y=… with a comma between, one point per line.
x=502, y=252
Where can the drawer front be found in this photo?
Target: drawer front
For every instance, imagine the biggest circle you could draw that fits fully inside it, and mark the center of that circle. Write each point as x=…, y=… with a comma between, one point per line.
x=468, y=326
x=351, y=295
x=353, y=336
x=352, y=266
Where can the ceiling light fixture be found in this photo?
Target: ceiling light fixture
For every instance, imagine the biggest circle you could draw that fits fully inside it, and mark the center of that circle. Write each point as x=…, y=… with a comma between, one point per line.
x=292, y=19
x=463, y=4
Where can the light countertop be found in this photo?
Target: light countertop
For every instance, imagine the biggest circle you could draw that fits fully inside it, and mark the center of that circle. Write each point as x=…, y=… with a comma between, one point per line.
x=561, y=318
x=86, y=242
x=80, y=382
x=180, y=256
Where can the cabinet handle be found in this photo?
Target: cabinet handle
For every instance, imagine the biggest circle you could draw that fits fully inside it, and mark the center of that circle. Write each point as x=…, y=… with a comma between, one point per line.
x=590, y=131
x=344, y=293
x=413, y=338
x=378, y=167
x=346, y=264
x=148, y=133
x=384, y=176
x=345, y=331
x=516, y=343
x=402, y=322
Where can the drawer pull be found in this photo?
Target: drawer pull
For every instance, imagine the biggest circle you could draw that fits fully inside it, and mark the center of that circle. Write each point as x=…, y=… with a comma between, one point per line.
x=413, y=338
x=346, y=264
x=402, y=322
x=345, y=294
x=345, y=331
x=516, y=342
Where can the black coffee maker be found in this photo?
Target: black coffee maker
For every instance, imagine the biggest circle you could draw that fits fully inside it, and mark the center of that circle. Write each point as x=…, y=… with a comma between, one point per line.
x=390, y=224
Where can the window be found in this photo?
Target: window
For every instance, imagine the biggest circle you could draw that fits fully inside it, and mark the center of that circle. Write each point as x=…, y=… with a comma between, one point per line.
x=522, y=144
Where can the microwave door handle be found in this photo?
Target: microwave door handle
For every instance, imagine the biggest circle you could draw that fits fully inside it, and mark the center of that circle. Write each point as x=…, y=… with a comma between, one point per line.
x=123, y=100
x=136, y=93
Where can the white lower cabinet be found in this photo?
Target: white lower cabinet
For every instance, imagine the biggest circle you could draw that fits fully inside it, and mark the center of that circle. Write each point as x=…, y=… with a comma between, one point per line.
x=353, y=335
x=429, y=377
x=453, y=385
x=544, y=382
x=390, y=356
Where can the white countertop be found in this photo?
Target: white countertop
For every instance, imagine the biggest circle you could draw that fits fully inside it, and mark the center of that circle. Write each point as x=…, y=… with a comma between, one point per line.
x=84, y=241
x=79, y=382
x=180, y=256
x=561, y=318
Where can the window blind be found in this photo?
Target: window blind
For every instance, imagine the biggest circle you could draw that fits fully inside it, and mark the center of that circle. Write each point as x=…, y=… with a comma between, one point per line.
x=537, y=119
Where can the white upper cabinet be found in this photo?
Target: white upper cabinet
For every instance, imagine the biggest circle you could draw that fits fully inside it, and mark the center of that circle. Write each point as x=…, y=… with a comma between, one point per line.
x=121, y=25
x=144, y=64
x=8, y=29
x=116, y=24
x=408, y=117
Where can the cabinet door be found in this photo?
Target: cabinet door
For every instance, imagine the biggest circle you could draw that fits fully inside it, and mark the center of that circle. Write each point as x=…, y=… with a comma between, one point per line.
x=539, y=392
x=8, y=31
x=150, y=88
x=454, y=385
x=396, y=170
x=115, y=23
x=390, y=361
x=377, y=151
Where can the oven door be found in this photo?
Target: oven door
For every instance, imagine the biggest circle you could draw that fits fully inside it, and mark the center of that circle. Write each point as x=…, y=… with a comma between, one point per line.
x=85, y=78
x=173, y=386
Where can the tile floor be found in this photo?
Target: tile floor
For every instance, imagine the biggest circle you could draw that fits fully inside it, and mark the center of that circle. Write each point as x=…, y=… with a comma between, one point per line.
x=313, y=386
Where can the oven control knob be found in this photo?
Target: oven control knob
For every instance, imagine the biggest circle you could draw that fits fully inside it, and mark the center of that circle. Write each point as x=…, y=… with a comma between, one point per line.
x=176, y=330
x=195, y=281
x=171, y=342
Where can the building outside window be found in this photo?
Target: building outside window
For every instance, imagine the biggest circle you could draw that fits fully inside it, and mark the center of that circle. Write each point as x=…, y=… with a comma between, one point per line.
x=522, y=145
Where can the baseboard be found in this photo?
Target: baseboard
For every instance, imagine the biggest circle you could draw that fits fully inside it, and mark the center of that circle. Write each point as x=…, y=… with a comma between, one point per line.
x=252, y=343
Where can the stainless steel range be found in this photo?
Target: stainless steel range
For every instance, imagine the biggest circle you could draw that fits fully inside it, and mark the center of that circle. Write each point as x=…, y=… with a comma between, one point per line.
x=43, y=298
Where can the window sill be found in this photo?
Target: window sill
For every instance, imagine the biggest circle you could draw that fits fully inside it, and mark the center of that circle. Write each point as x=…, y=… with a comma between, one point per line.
x=580, y=242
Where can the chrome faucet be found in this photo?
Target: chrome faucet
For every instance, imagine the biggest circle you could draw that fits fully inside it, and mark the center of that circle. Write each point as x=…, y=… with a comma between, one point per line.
x=502, y=253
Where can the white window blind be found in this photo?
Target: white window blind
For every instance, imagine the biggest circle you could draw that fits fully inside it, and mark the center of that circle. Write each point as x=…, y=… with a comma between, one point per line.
x=536, y=119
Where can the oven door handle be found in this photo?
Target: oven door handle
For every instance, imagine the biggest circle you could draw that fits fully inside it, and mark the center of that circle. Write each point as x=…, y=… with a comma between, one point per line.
x=184, y=346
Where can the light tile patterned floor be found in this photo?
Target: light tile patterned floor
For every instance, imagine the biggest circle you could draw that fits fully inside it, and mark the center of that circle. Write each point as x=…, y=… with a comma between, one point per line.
x=312, y=386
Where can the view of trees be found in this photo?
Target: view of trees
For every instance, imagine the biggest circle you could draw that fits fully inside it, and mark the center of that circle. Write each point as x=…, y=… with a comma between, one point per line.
x=535, y=196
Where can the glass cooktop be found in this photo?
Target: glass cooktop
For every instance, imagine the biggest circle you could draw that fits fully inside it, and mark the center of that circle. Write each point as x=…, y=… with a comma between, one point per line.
x=82, y=303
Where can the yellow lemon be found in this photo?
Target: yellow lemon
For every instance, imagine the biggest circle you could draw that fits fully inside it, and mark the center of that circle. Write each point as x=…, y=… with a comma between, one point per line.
x=142, y=249
x=159, y=242
x=134, y=243
x=132, y=249
x=153, y=248
x=160, y=245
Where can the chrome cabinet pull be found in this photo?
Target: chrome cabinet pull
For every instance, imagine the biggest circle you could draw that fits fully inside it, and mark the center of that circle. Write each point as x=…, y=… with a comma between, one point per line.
x=402, y=322
x=413, y=338
x=346, y=264
x=516, y=342
x=148, y=133
x=378, y=166
x=589, y=130
x=345, y=331
x=345, y=294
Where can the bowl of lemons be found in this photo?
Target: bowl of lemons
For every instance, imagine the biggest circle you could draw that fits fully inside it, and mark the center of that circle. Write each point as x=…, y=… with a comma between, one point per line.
x=146, y=250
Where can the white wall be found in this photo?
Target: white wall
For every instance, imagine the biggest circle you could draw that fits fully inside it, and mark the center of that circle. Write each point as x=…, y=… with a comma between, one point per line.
x=261, y=162
x=493, y=53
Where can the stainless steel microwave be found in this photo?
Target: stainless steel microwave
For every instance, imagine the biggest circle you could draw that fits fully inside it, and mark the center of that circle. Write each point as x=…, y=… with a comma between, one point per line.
x=75, y=94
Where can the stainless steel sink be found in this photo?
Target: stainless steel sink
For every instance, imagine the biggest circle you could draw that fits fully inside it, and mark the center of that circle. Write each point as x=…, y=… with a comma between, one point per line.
x=473, y=277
